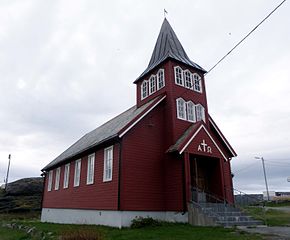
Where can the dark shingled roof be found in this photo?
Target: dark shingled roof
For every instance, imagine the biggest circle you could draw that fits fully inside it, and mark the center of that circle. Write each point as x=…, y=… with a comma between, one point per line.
x=101, y=134
x=168, y=46
x=183, y=137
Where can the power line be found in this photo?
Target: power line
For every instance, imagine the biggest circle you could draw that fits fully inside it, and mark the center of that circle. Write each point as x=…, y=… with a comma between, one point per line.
x=245, y=37
x=245, y=168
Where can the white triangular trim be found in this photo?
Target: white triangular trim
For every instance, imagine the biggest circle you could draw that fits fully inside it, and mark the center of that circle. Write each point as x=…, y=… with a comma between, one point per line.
x=140, y=118
x=194, y=135
x=219, y=133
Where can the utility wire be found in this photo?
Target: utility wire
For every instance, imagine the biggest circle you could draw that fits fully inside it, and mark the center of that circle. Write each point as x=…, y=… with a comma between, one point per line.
x=245, y=168
x=190, y=87
x=245, y=37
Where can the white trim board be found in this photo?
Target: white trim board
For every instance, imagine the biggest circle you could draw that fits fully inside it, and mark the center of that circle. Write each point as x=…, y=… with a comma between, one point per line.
x=140, y=118
x=219, y=133
x=194, y=135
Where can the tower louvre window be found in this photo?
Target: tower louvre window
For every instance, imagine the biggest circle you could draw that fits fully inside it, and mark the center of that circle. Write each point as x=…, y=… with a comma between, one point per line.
x=155, y=83
x=190, y=111
x=178, y=75
x=152, y=84
x=181, y=108
x=144, y=89
x=200, y=112
x=197, y=83
x=188, y=79
x=160, y=76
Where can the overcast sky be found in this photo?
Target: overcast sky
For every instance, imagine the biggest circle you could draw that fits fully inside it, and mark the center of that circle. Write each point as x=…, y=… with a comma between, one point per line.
x=68, y=66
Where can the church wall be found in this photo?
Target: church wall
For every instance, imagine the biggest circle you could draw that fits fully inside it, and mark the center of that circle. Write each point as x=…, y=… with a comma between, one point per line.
x=142, y=174
x=99, y=195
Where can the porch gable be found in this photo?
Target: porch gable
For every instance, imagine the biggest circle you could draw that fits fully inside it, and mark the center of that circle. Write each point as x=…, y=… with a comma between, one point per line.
x=198, y=140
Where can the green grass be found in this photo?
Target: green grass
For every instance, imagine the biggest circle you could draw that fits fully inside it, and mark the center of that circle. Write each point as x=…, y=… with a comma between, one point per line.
x=273, y=217
x=168, y=231
x=278, y=204
x=9, y=234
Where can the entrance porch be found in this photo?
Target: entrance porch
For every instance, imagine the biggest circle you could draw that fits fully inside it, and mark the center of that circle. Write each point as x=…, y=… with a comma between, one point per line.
x=205, y=180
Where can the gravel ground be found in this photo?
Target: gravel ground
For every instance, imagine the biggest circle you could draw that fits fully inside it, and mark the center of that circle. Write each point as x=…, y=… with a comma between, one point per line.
x=273, y=233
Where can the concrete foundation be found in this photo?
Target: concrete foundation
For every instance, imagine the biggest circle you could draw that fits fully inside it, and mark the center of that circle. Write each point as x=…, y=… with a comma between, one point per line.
x=108, y=218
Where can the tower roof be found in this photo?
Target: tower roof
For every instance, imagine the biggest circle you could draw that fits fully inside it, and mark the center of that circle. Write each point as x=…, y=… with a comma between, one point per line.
x=168, y=46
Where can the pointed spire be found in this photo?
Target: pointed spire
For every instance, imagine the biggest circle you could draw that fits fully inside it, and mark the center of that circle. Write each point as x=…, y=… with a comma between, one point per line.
x=168, y=46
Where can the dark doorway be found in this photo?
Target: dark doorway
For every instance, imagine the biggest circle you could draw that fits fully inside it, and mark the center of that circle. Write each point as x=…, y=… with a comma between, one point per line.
x=206, y=177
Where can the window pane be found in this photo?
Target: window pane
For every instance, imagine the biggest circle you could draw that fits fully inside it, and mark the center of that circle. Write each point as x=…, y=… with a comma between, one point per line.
x=152, y=88
x=108, y=164
x=181, y=109
x=190, y=112
x=144, y=89
x=197, y=82
x=161, y=79
x=66, y=176
x=77, y=173
x=178, y=76
x=188, y=80
x=50, y=180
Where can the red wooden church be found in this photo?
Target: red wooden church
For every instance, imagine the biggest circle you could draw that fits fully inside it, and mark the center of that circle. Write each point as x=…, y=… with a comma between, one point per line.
x=151, y=160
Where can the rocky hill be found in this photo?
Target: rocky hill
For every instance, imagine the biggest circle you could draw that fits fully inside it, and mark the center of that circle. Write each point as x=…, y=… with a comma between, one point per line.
x=22, y=195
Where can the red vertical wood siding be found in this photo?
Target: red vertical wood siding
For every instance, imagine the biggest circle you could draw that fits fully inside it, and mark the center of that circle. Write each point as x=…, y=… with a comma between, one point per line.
x=142, y=177
x=99, y=195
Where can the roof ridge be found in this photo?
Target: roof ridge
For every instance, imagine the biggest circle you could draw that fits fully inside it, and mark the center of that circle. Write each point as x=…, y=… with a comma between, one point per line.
x=168, y=45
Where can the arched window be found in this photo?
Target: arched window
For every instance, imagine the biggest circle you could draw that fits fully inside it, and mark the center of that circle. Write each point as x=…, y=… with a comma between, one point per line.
x=188, y=79
x=161, y=81
x=178, y=76
x=152, y=84
x=190, y=111
x=200, y=113
x=197, y=83
x=181, y=108
x=144, y=89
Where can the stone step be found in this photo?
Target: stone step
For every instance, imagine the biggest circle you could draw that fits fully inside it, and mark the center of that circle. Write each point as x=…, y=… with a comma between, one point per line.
x=225, y=209
x=235, y=218
x=240, y=223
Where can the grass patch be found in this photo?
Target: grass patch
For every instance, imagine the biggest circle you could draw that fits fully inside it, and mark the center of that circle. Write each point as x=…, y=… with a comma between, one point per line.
x=272, y=217
x=278, y=204
x=164, y=231
x=11, y=234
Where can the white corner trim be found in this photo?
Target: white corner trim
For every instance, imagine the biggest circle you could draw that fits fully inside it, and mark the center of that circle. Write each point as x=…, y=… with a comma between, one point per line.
x=140, y=118
x=193, y=136
x=219, y=133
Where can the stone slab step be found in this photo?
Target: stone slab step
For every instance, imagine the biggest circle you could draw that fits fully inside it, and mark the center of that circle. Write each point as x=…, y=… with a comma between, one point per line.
x=240, y=223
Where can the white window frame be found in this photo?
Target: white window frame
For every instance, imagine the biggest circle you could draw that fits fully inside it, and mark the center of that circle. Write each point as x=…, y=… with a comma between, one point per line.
x=152, y=84
x=178, y=76
x=144, y=89
x=200, y=112
x=181, y=113
x=77, y=175
x=66, y=175
x=197, y=84
x=49, y=184
x=108, y=164
x=160, y=79
x=91, y=168
x=188, y=79
x=191, y=117
x=57, y=179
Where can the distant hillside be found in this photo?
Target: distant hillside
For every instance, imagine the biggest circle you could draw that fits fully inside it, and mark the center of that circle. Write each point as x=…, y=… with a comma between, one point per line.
x=22, y=195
